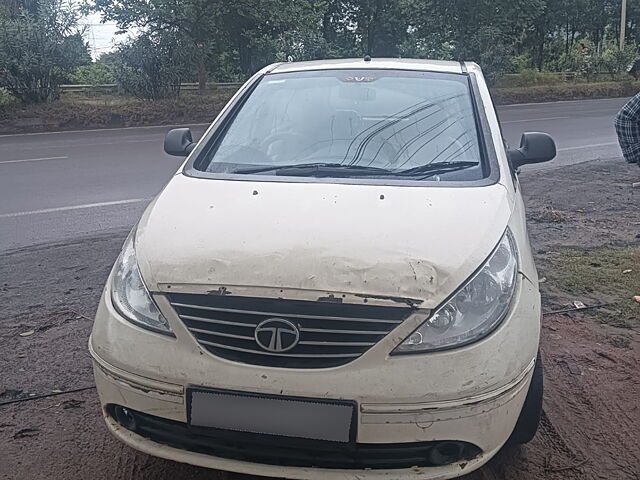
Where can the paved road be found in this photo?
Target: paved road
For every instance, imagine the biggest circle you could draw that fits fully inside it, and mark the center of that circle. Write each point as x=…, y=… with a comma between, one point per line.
x=59, y=186
x=583, y=130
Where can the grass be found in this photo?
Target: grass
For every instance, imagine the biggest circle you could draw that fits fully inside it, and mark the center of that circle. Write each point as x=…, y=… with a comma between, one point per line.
x=530, y=78
x=565, y=91
x=612, y=271
x=77, y=112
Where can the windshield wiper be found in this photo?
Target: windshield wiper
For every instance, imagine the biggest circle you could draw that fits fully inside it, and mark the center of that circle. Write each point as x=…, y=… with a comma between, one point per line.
x=317, y=170
x=430, y=169
x=341, y=170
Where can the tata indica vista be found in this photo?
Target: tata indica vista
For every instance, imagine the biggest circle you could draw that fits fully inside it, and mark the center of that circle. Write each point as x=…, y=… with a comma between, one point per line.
x=336, y=284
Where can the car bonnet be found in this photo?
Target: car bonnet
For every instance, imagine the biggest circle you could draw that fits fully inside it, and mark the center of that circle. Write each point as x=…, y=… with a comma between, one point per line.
x=409, y=244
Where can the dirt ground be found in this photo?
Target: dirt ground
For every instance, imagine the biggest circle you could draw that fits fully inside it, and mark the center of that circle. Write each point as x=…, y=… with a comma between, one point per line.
x=591, y=409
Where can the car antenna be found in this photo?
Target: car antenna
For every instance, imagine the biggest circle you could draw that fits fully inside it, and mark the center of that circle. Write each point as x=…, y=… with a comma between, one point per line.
x=367, y=58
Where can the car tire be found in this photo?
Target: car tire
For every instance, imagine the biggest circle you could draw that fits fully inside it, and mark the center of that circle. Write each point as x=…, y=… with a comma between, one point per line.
x=529, y=419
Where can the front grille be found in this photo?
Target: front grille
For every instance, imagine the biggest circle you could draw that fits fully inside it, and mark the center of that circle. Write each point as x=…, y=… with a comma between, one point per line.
x=294, y=452
x=330, y=334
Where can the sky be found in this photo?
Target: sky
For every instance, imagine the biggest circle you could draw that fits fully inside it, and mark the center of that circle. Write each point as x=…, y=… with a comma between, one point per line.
x=100, y=36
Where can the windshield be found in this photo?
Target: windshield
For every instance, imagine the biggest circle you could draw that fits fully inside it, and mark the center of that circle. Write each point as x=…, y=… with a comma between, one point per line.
x=357, y=123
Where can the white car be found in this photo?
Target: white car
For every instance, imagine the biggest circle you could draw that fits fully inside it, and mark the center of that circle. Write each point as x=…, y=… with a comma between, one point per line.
x=336, y=284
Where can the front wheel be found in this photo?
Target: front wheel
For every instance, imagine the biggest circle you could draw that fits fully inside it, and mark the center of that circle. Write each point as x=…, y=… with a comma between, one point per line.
x=529, y=418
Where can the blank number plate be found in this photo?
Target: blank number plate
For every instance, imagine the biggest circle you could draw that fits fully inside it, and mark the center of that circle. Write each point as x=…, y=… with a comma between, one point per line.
x=273, y=415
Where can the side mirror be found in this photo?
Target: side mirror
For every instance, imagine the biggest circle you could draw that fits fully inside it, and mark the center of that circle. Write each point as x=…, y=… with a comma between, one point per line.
x=535, y=147
x=179, y=142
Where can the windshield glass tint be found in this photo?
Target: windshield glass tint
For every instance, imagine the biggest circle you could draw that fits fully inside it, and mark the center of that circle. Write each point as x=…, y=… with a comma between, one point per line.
x=388, y=119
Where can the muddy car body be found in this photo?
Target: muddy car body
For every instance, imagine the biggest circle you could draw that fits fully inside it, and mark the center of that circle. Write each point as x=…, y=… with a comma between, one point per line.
x=310, y=297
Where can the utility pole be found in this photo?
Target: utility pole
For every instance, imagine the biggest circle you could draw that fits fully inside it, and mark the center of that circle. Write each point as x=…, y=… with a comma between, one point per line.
x=623, y=23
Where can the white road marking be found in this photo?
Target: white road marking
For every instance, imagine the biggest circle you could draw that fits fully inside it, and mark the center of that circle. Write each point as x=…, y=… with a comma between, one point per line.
x=582, y=147
x=74, y=207
x=33, y=159
x=118, y=142
x=145, y=127
x=535, y=120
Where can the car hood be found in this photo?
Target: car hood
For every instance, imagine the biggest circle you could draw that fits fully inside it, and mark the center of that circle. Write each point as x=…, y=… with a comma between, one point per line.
x=413, y=245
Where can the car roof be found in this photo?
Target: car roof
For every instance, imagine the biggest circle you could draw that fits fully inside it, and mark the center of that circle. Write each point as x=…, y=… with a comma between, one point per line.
x=374, y=63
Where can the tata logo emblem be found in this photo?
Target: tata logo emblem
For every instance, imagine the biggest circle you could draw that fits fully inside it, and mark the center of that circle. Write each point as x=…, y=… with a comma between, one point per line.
x=277, y=335
x=359, y=79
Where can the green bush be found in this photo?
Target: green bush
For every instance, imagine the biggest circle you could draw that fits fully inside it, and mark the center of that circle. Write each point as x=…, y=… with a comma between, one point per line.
x=615, y=61
x=521, y=63
x=152, y=66
x=589, y=61
x=6, y=98
x=38, y=51
x=529, y=78
x=96, y=73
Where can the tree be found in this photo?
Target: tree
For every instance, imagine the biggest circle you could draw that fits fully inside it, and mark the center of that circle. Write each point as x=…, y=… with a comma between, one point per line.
x=477, y=30
x=195, y=21
x=14, y=7
x=38, y=51
x=355, y=28
x=337, y=29
x=633, y=14
x=232, y=39
x=152, y=66
x=258, y=31
x=245, y=32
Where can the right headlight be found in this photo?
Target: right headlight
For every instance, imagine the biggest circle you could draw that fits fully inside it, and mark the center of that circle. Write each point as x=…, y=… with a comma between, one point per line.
x=475, y=310
x=130, y=296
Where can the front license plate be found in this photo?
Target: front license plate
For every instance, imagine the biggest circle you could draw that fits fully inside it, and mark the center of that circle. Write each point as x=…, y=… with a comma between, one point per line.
x=273, y=415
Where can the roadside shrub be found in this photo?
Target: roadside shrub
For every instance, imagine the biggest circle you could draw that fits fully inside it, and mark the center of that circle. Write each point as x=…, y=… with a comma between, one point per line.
x=6, y=98
x=530, y=77
x=521, y=63
x=38, y=51
x=96, y=73
x=582, y=59
x=585, y=59
x=615, y=61
x=152, y=66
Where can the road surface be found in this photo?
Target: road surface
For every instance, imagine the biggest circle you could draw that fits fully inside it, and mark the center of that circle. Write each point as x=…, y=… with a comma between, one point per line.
x=59, y=186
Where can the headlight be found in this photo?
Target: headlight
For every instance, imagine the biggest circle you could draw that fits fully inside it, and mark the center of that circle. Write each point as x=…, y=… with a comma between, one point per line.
x=129, y=294
x=475, y=310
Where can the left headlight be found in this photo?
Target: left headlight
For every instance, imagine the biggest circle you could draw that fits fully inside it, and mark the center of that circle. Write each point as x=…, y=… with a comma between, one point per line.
x=475, y=310
x=130, y=296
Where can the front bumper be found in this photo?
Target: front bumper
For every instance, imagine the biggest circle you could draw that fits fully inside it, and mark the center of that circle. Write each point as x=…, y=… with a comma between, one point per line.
x=490, y=418
x=473, y=394
x=202, y=460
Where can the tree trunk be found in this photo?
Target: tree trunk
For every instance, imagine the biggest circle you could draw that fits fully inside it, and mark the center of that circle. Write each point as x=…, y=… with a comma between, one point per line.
x=541, y=34
x=202, y=71
x=540, y=46
x=245, y=53
x=328, y=33
x=373, y=27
